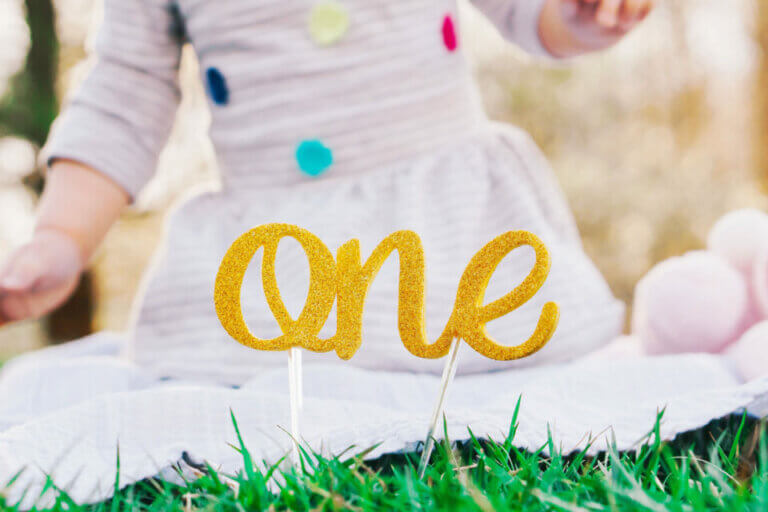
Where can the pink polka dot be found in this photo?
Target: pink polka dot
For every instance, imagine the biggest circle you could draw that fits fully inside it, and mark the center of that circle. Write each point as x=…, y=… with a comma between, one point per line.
x=449, y=33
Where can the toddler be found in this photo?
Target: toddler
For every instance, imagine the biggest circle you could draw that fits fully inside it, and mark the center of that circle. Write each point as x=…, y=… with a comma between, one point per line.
x=351, y=118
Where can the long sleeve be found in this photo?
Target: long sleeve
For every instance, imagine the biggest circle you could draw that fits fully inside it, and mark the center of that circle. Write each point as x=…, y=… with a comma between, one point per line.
x=517, y=20
x=119, y=119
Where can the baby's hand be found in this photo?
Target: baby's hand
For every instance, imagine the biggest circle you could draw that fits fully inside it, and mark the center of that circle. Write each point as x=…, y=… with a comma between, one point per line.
x=589, y=25
x=621, y=14
x=39, y=276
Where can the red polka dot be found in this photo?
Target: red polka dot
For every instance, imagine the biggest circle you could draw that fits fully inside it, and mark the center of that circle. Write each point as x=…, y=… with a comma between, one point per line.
x=449, y=33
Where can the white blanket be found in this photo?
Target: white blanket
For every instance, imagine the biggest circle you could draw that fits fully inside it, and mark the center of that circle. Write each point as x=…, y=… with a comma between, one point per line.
x=65, y=411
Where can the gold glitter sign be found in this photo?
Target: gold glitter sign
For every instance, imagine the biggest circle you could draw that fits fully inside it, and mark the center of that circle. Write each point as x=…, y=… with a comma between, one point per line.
x=346, y=280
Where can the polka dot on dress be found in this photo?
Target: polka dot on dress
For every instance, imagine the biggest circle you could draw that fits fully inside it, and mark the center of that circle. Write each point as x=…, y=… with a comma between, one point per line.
x=216, y=85
x=449, y=33
x=313, y=157
x=328, y=22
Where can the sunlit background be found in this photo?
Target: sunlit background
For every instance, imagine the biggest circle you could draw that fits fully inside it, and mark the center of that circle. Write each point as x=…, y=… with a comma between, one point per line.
x=652, y=141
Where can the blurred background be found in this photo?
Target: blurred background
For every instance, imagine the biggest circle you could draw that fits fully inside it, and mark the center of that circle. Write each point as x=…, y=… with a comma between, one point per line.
x=652, y=141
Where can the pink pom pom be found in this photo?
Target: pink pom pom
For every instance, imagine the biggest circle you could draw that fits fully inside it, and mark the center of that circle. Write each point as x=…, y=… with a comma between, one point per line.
x=623, y=347
x=739, y=236
x=693, y=303
x=749, y=355
x=760, y=282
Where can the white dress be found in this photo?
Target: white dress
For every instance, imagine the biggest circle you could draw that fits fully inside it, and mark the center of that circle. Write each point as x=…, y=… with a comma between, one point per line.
x=377, y=132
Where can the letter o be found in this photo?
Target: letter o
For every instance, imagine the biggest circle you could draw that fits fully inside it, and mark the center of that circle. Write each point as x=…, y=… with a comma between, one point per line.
x=301, y=332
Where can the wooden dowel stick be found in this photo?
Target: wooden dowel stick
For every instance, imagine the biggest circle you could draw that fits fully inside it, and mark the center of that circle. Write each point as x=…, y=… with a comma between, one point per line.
x=295, y=390
x=449, y=372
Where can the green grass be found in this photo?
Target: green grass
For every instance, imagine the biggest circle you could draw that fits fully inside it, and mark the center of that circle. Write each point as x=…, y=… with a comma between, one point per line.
x=723, y=466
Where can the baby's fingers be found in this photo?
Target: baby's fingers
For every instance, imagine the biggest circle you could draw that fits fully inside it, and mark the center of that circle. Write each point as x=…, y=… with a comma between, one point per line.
x=17, y=280
x=608, y=13
x=633, y=12
x=570, y=8
x=33, y=303
x=14, y=307
x=39, y=277
x=21, y=273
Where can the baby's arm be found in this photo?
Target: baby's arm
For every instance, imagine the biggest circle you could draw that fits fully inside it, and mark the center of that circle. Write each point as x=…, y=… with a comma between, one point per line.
x=77, y=209
x=565, y=28
x=102, y=150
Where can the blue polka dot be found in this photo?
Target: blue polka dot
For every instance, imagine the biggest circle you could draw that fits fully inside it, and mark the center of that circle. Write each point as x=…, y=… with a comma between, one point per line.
x=217, y=86
x=313, y=157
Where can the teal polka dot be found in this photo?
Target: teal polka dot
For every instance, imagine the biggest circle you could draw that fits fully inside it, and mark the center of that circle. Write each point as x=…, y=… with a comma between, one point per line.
x=313, y=157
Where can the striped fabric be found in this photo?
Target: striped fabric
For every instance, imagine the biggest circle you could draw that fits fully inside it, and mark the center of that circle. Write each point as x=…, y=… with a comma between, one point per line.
x=388, y=90
x=119, y=119
x=411, y=148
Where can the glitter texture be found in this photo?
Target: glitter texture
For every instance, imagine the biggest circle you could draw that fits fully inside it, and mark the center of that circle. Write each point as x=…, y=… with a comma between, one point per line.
x=348, y=280
x=470, y=316
x=301, y=332
x=355, y=279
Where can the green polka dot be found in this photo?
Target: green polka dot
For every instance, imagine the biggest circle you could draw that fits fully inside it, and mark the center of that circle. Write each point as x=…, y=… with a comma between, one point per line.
x=328, y=22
